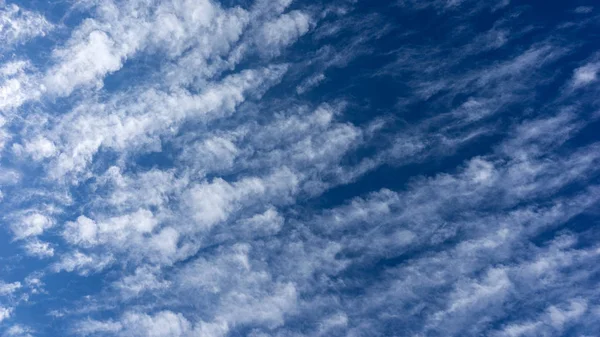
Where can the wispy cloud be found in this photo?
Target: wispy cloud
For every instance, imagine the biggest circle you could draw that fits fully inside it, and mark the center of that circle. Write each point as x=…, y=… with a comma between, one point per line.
x=18, y=25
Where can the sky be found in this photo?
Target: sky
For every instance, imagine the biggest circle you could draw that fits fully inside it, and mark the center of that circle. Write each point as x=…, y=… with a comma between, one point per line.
x=281, y=168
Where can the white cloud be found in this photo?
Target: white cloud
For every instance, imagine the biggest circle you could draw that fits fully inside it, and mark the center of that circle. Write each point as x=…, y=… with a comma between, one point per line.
x=549, y=323
x=82, y=263
x=559, y=317
x=9, y=288
x=524, y=329
x=585, y=75
x=269, y=222
x=269, y=309
x=162, y=324
x=39, y=248
x=38, y=149
x=151, y=188
x=213, y=154
x=310, y=83
x=200, y=190
x=213, y=202
x=282, y=31
x=19, y=25
x=16, y=85
x=5, y=313
x=101, y=45
x=18, y=331
x=32, y=224
x=144, y=279
x=487, y=294
x=332, y=323
x=9, y=176
x=142, y=118
x=90, y=327
x=13, y=68
x=84, y=62
x=584, y=9
x=87, y=232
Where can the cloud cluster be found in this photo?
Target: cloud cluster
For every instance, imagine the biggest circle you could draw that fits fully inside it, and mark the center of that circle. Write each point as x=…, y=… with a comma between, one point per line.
x=293, y=168
x=18, y=25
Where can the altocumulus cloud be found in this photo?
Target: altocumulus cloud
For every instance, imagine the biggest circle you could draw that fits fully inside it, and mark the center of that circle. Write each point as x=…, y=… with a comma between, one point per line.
x=205, y=168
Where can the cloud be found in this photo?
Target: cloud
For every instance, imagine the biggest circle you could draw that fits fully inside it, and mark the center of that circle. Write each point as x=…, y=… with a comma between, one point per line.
x=310, y=83
x=18, y=25
x=38, y=149
x=144, y=279
x=585, y=75
x=552, y=321
x=82, y=263
x=168, y=168
x=140, y=120
x=9, y=288
x=90, y=327
x=19, y=331
x=584, y=9
x=16, y=84
x=283, y=30
x=84, y=63
x=86, y=232
x=487, y=293
x=211, y=203
x=5, y=313
x=39, y=248
x=32, y=224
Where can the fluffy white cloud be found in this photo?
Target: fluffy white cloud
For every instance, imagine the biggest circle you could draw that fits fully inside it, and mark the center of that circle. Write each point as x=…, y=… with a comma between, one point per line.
x=38, y=149
x=90, y=327
x=39, y=248
x=84, y=63
x=151, y=114
x=32, y=224
x=282, y=31
x=17, y=25
x=82, y=263
x=144, y=279
x=4, y=313
x=9, y=288
x=214, y=202
x=86, y=232
x=16, y=85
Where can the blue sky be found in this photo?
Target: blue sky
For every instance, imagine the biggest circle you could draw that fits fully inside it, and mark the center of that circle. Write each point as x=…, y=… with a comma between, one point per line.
x=196, y=168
